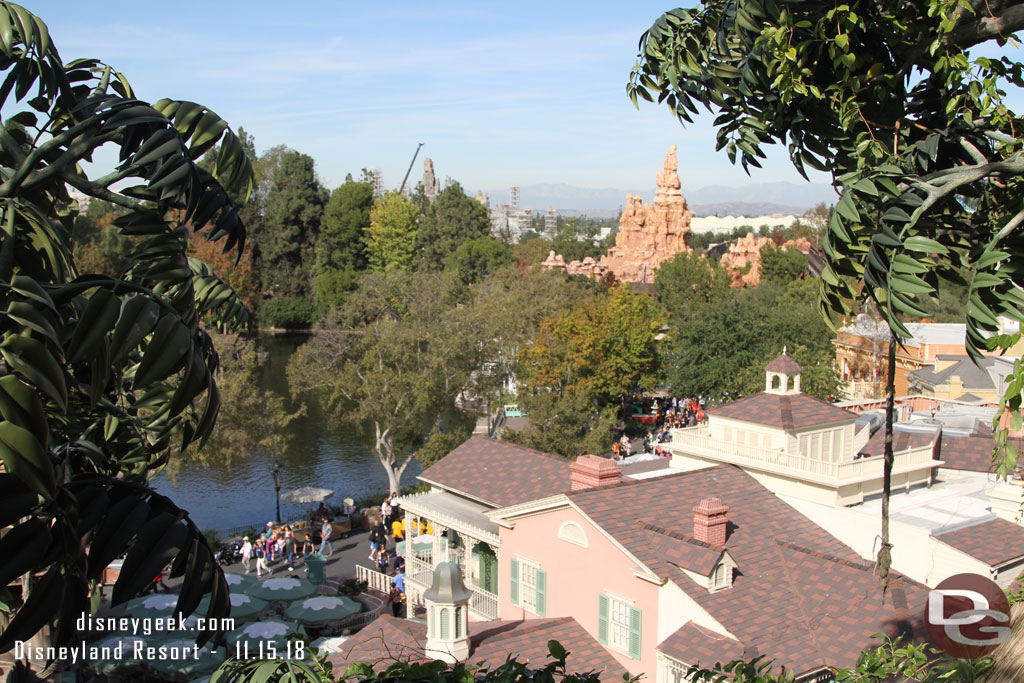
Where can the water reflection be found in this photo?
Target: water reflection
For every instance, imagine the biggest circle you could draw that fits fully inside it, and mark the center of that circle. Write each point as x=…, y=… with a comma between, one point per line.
x=320, y=454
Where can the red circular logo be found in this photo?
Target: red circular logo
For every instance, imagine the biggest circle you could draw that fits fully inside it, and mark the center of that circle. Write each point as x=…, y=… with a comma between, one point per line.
x=968, y=616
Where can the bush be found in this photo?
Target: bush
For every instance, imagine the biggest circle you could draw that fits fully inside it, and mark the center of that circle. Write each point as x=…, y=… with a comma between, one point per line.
x=288, y=312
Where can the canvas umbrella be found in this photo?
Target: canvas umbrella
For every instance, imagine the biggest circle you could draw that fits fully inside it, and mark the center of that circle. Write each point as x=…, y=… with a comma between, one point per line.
x=152, y=606
x=321, y=610
x=284, y=588
x=238, y=582
x=307, y=494
x=421, y=543
x=243, y=607
x=117, y=652
x=260, y=635
x=183, y=660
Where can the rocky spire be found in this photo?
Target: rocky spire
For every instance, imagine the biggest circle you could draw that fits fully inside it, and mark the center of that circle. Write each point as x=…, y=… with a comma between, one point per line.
x=669, y=192
x=431, y=185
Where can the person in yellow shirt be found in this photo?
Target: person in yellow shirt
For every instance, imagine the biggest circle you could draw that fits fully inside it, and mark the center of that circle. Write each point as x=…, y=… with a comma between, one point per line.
x=398, y=529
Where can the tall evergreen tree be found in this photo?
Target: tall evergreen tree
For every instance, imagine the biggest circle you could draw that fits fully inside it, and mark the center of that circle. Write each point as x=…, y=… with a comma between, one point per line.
x=291, y=223
x=453, y=218
x=342, y=243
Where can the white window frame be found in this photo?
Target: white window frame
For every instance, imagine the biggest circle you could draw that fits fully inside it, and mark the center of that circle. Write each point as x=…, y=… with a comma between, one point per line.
x=618, y=632
x=528, y=591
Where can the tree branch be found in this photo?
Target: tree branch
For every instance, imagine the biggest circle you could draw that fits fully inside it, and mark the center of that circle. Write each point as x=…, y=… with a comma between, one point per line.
x=994, y=20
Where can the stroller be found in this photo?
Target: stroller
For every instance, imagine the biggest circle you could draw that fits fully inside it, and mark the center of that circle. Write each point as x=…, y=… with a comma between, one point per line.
x=230, y=553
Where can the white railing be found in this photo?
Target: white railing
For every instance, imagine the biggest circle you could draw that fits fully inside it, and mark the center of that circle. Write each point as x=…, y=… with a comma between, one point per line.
x=373, y=607
x=699, y=440
x=420, y=569
x=484, y=603
x=375, y=580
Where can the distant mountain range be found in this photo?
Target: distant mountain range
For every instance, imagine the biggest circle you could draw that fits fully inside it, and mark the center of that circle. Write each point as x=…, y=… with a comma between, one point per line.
x=714, y=200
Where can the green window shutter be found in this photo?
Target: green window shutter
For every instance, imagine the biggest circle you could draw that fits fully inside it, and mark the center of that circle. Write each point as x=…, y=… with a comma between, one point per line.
x=634, y=632
x=602, y=619
x=541, y=598
x=444, y=624
x=513, y=592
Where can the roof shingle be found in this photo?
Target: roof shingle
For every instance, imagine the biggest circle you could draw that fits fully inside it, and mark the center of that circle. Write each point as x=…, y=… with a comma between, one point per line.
x=788, y=411
x=799, y=595
x=499, y=473
x=993, y=542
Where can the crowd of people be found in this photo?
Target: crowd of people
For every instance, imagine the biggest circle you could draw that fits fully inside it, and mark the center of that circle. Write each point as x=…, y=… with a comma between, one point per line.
x=668, y=413
x=281, y=543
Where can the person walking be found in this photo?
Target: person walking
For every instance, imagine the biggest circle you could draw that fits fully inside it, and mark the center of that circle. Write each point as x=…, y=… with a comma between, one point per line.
x=261, y=559
x=377, y=540
x=289, y=548
x=385, y=513
x=325, y=538
x=246, y=554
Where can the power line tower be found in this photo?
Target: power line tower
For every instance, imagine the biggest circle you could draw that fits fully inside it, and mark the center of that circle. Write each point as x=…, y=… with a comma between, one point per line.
x=378, y=183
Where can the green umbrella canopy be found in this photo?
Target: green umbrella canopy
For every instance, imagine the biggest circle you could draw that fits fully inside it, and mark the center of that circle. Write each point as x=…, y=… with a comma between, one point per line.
x=239, y=582
x=283, y=588
x=182, y=659
x=151, y=606
x=243, y=607
x=322, y=609
x=260, y=635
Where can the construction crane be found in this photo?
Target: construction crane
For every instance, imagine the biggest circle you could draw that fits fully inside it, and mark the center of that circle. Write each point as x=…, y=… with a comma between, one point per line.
x=406, y=178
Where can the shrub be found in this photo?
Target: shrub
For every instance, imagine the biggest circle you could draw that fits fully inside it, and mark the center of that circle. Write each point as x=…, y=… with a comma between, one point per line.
x=288, y=312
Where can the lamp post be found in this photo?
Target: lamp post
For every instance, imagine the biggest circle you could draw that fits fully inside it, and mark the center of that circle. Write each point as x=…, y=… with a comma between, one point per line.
x=276, y=471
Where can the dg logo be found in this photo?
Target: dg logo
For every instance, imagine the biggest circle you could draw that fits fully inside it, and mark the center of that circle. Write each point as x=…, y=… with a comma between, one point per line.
x=968, y=616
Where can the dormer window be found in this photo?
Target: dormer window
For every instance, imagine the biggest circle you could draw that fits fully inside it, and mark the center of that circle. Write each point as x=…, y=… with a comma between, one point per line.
x=721, y=577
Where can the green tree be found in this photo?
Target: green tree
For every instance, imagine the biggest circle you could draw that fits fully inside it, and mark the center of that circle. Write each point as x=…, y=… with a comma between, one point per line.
x=346, y=218
x=477, y=259
x=391, y=239
x=895, y=102
x=688, y=280
x=781, y=265
x=103, y=380
x=569, y=424
x=531, y=251
x=606, y=346
x=448, y=221
x=391, y=360
x=291, y=224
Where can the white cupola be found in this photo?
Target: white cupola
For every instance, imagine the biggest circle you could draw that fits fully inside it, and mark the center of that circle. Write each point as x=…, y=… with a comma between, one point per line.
x=447, y=602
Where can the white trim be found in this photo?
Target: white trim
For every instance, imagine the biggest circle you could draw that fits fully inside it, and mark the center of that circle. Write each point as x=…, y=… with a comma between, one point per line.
x=532, y=507
x=530, y=607
x=616, y=596
x=584, y=543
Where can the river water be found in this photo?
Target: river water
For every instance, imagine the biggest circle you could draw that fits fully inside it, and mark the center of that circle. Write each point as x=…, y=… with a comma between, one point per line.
x=320, y=453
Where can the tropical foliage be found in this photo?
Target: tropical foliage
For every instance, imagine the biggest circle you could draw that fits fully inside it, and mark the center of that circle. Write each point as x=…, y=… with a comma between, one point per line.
x=104, y=378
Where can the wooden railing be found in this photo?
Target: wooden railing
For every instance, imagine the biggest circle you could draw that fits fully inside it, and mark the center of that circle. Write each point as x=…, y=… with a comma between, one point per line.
x=375, y=580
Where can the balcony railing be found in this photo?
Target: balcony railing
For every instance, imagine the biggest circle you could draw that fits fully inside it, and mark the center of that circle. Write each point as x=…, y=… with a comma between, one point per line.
x=485, y=604
x=698, y=441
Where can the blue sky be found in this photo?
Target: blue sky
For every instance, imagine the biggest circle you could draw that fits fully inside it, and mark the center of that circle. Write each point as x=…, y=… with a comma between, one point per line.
x=523, y=92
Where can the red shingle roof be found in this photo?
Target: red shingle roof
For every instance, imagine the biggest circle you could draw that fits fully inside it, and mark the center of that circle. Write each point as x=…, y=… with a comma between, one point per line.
x=390, y=639
x=901, y=441
x=993, y=542
x=799, y=595
x=693, y=644
x=785, y=365
x=499, y=473
x=684, y=550
x=790, y=411
x=972, y=453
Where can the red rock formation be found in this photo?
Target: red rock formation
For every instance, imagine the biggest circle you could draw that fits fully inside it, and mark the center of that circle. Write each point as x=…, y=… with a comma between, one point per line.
x=743, y=260
x=648, y=234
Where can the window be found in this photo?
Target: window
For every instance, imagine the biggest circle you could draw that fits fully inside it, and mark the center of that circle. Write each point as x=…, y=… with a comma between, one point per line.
x=528, y=586
x=444, y=624
x=573, y=533
x=618, y=624
x=719, y=580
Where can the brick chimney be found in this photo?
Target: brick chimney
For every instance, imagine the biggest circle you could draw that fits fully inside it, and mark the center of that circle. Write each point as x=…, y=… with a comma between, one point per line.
x=590, y=471
x=710, y=521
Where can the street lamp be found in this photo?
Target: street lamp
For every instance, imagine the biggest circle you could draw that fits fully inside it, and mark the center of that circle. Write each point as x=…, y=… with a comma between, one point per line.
x=276, y=471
